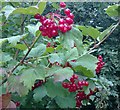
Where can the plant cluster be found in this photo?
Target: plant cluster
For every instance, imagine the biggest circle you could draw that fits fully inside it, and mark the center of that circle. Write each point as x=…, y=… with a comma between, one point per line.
x=56, y=63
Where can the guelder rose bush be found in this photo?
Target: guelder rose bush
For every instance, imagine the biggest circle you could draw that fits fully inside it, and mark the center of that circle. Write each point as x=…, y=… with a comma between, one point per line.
x=56, y=64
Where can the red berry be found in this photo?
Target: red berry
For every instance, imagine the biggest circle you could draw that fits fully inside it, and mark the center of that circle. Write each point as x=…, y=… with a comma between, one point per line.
x=69, y=20
x=61, y=21
x=37, y=16
x=17, y=104
x=54, y=33
x=75, y=76
x=62, y=4
x=86, y=83
x=79, y=83
x=69, y=28
x=48, y=44
x=61, y=27
x=41, y=28
x=65, y=85
x=83, y=83
x=67, y=11
x=72, y=80
x=71, y=16
x=64, y=30
x=42, y=18
x=70, y=89
x=44, y=33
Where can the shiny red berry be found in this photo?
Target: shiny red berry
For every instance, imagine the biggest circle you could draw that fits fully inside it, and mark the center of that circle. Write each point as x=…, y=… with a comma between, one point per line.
x=37, y=16
x=71, y=16
x=65, y=85
x=61, y=21
x=86, y=83
x=69, y=20
x=54, y=33
x=75, y=76
x=62, y=4
x=67, y=11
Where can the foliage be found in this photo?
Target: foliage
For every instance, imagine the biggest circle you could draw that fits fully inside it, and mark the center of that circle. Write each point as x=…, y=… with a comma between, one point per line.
x=26, y=59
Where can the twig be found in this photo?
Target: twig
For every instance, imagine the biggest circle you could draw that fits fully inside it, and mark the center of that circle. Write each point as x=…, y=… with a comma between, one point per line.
x=26, y=43
x=21, y=62
x=16, y=53
x=96, y=45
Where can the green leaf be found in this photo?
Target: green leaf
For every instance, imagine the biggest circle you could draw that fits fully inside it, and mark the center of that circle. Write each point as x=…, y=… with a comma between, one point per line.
x=8, y=9
x=88, y=61
x=19, y=46
x=91, y=85
x=55, y=5
x=62, y=74
x=41, y=7
x=105, y=32
x=29, y=76
x=39, y=93
x=86, y=90
x=84, y=71
x=16, y=86
x=37, y=51
x=49, y=49
x=69, y=38
x=77, y=34
x=29, y=10
x=14, y=39
x=2, y=41
x=4, y=57
x=32, y=10
x=55, y=89
x=33, y=28
x=71, y=54
x=113, y=10
x=52, y=70
x=66, y=102
x=90, y=31
x=55, y=58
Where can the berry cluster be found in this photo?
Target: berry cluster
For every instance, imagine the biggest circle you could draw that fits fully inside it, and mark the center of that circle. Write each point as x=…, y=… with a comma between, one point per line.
x=49, y=26
x=39, y=83
x=100, y=64
x=76, y=85
x=82, y=96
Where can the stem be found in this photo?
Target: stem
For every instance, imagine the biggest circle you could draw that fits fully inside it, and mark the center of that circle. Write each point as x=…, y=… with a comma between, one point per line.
x=16, y=53
x=26, y=43
x=95, y=46
x=21, y=62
